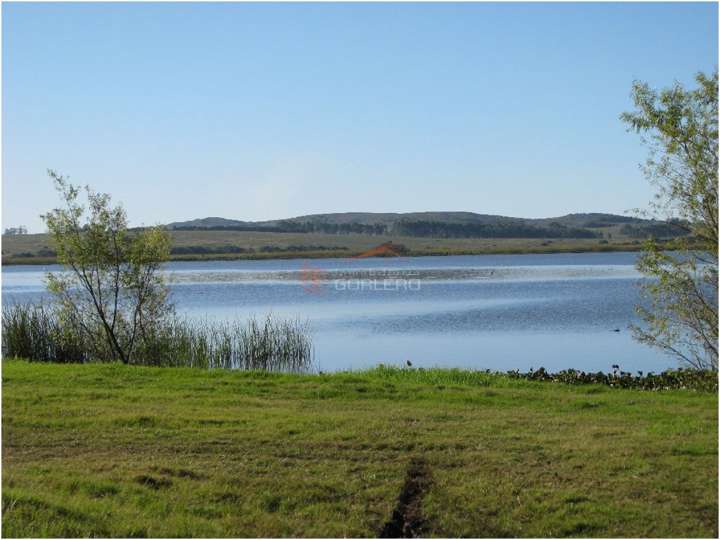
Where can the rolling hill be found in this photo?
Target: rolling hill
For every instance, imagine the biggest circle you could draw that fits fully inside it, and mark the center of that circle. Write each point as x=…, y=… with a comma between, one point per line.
x=358, y=233
x=449, y=225
x=375, y=218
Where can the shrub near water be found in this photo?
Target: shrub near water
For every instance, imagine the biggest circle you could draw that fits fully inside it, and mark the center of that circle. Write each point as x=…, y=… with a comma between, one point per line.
x=40, y=333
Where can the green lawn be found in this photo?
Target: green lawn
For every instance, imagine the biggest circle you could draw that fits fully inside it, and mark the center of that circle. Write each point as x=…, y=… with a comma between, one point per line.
x=108, y=450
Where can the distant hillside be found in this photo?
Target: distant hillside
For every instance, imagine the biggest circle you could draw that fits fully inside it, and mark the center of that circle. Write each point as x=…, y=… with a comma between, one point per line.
x=208, y=223
x=449, y=225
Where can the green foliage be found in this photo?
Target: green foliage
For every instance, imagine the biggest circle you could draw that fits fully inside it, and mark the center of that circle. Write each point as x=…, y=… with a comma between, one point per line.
x=45, y=334
x=38, y=332
x=680, y=379
x=681, y=129
x=685, y=379
x=113, y=286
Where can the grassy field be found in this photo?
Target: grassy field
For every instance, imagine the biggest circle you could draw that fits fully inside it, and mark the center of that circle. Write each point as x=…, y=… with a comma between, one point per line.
x=108, y=450
x=34, y=248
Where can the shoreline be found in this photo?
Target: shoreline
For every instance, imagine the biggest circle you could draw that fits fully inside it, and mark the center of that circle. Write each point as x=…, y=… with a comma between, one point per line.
x=344, y=254
x=683, y=379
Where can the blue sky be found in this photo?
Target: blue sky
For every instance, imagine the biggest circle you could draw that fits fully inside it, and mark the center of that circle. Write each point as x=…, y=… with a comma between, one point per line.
x=253, y=111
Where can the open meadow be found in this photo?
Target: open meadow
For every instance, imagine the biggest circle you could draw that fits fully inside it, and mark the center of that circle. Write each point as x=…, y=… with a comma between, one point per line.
x=110, y=450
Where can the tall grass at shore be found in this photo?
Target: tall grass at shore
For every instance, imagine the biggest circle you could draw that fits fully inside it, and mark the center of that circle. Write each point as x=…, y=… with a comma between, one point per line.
x=35, y=332
x=270, y=344
x=40, y=333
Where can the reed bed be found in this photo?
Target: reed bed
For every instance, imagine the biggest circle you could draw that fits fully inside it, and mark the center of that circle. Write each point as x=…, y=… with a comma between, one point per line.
x=40, y=333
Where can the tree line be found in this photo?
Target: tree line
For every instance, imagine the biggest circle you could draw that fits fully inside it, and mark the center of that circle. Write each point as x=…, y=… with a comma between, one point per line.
x=420, y=228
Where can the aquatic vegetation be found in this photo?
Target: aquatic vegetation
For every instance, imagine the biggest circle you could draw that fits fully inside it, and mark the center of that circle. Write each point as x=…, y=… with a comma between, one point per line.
x=673, y=379
x=40, y=333
x=36, y=332
x=685, y=379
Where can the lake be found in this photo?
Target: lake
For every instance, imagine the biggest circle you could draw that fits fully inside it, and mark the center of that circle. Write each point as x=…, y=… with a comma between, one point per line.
x=497, y=312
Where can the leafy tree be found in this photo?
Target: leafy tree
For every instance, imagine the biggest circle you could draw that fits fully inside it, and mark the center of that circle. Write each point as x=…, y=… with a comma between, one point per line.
x=680, y=126
x=112, y=289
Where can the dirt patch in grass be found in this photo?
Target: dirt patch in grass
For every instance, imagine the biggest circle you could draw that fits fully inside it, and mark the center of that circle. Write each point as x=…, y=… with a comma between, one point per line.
x=407, y=519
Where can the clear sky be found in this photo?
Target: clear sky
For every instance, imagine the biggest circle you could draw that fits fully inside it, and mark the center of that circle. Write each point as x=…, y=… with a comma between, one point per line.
x=253, y=111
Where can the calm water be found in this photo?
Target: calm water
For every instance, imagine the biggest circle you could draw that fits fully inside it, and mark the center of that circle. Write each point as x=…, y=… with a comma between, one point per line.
x=492, y=311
